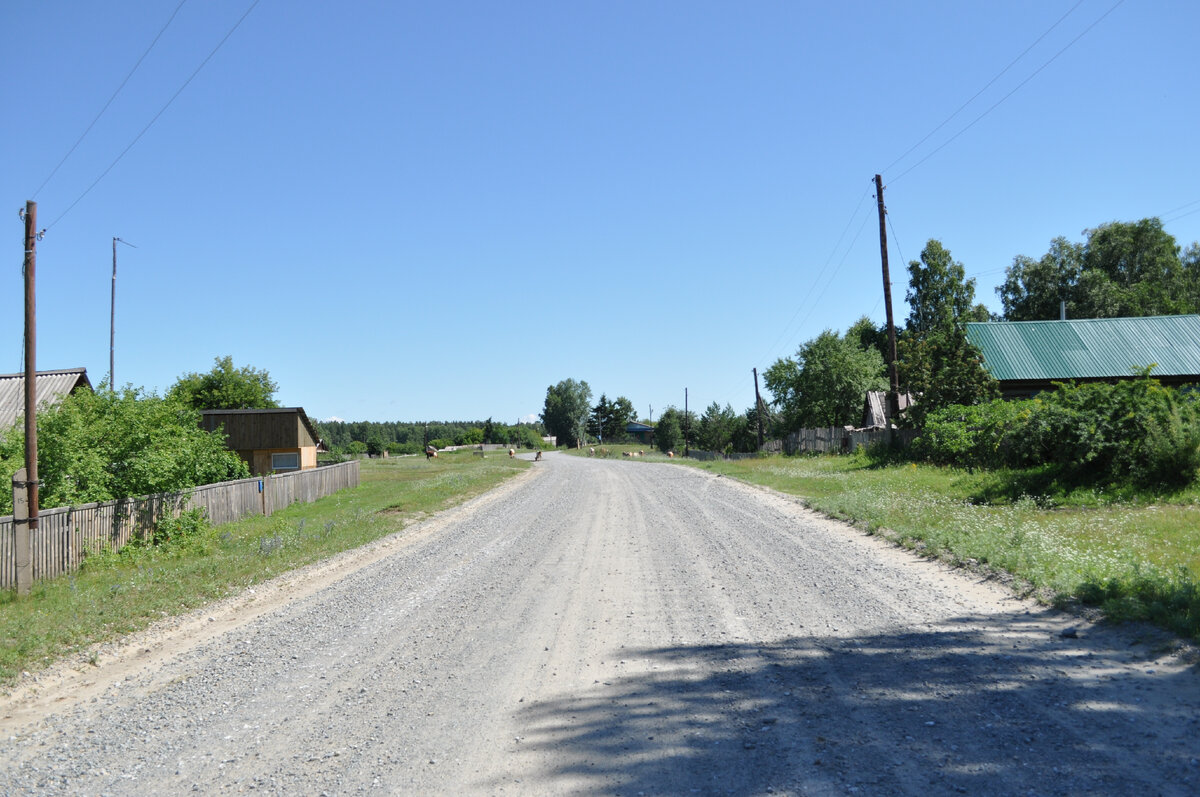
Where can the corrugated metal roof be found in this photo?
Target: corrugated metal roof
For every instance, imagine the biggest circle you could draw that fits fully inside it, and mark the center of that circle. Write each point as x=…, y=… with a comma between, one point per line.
x=1088, y=348
x=50, y=386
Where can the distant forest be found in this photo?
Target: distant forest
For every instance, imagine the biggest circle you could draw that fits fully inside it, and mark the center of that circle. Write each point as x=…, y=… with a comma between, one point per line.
x=397, y=437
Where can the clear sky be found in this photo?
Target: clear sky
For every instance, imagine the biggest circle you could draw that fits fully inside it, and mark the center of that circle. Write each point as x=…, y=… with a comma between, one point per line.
x=433, y=211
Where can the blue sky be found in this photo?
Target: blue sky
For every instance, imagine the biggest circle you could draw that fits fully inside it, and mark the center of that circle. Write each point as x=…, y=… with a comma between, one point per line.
x=434, y=211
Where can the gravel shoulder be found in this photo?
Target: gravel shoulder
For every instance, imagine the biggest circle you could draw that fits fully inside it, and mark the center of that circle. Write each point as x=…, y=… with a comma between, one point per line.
x=619, y=628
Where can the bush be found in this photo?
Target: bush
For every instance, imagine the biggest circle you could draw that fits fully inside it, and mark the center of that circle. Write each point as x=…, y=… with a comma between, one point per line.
x=1135, y=431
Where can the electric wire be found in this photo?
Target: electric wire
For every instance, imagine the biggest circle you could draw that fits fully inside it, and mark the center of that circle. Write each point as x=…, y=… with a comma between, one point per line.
x=83, y=135
x=833, y=253
x=161, y=111
x=787, y=328
x=1163, y=216
x=986, y=86
x=1018, y=87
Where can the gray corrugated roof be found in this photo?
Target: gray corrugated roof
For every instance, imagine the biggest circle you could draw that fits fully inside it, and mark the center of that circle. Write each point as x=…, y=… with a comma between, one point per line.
x=1088, y=348
x=50, y=386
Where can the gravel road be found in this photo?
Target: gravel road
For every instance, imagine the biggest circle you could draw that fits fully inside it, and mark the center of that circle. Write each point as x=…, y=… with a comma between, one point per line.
x=611, y=627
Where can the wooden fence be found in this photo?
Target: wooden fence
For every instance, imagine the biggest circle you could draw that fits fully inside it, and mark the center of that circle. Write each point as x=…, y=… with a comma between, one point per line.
x=66, y=534
x=838, y=439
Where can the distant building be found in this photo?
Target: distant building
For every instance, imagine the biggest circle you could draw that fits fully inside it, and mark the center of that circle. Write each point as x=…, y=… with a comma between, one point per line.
x=51, y=387
x=1027, y=357
x=640, y=432
x=269, y=441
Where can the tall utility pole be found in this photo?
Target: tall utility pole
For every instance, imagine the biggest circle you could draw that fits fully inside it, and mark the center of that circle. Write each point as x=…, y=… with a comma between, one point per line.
x=25, y=535
x=112, y=321
x=686, y=422
x=893, y=374
x=758, y=409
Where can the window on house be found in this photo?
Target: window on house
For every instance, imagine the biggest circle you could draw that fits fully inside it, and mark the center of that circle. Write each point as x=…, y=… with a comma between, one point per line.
x=285, y=461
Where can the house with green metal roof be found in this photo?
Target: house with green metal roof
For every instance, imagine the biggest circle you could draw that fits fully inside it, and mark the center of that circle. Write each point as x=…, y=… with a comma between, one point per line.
x=1026, y=357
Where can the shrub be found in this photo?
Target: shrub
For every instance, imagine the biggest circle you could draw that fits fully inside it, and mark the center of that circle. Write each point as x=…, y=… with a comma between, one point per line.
x=1135, y=431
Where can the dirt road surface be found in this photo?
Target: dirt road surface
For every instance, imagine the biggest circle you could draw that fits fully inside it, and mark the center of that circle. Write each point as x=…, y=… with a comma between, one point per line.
x=610, y=627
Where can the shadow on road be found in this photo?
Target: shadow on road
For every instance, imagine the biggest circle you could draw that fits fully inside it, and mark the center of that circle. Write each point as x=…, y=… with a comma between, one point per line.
x=932, y=711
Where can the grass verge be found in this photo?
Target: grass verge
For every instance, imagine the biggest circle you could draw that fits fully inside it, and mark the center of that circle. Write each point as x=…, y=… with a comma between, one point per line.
x=1134, y=558
x=117, y=593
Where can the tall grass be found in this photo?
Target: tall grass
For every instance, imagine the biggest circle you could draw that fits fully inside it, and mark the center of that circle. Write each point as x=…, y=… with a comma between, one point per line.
x=117, y=593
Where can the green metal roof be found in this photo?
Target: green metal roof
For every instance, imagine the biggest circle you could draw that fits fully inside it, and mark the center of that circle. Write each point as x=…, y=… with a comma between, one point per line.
x=1088, y=348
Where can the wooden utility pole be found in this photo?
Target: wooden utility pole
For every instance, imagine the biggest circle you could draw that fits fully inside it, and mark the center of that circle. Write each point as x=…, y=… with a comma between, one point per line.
x=758, y=409
x=25, y=531
x=112, y=321
x=893, y=374
x=112, y=324
x=686, y=422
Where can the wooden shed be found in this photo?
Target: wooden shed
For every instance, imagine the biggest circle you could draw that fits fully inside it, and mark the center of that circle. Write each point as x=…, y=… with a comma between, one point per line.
x=270, y=441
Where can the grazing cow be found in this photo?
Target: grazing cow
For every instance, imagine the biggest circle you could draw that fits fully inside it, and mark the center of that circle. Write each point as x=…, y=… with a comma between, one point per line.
x=430, y=453
x=511, y=453
x=671, y=454
x=591, y=452
x=537, y=457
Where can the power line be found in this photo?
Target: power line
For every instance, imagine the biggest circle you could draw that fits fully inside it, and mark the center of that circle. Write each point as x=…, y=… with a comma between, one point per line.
x=161, y=111
x=986, y=86
x=1018, y=87
x=83, y=135
x=833, y=253
x=1163, y=216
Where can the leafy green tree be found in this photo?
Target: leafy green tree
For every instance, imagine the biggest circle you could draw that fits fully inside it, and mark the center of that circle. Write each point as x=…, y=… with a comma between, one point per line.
x=745, y=431
x=619, y=417
x=1122, y=269
x=942, y=368
x=1141, y=260
x=1033, y=289
x=226, y=388
x=826, y=382
x=868, y=336
x=939, y=294
x=106, y=445
x=566, y=410
x=608, y=419
x=717, y=428
x=938, y=366
x=668, y=434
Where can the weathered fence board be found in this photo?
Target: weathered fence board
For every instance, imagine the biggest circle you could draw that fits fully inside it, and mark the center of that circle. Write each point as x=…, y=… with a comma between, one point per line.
x=66, y=534
x=832, y=439
x=838, y=439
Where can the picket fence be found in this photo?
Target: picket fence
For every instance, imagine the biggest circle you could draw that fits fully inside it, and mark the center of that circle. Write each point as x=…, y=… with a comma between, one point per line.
x=66, y=534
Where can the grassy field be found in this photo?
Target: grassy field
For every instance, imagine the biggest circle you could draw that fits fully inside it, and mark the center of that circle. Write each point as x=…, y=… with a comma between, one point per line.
x=114, y=594
x=1135, y=559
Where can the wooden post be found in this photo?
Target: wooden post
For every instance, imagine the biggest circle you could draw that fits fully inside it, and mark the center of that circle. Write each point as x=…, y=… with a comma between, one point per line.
x=893, y=373
x=31, y=451
x=24, y=550
x=758, y=409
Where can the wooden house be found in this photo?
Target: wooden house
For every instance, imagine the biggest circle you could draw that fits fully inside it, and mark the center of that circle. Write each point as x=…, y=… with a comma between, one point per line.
x=1028, y=357
x=641, y=432
x=269, y=441
x=51, y=386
